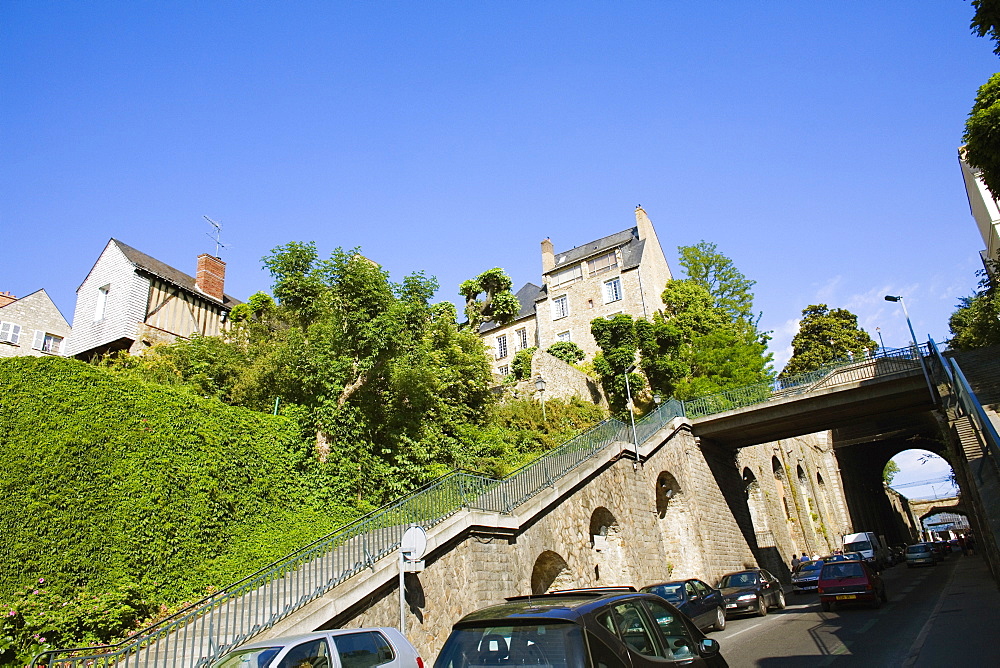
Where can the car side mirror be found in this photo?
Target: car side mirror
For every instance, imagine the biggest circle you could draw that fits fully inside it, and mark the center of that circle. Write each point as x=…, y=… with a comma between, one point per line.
x=708, y=647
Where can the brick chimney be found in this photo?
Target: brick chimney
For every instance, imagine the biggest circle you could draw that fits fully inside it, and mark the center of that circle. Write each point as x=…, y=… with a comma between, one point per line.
x=6, y=298
x=211, y=275
x=548, y=257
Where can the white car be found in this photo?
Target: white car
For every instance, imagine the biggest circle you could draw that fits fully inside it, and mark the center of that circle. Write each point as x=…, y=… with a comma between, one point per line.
x=337, y=648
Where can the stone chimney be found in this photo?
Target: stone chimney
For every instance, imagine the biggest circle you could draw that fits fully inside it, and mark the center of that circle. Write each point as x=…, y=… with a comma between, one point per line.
x=211, y=276
x=6, y=298
x=644, y=224
x=548, y=257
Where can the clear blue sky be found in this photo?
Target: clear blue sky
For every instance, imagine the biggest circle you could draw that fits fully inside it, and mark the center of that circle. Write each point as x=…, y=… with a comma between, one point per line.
x=814, y=143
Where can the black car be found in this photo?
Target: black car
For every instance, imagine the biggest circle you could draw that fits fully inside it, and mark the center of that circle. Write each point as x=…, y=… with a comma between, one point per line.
x=805, y=575
x=579, y=628
x=751, y=591
x=702, y=603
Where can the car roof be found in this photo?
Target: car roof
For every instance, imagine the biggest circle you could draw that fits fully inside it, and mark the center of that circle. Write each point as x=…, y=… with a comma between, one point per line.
x=567, y=606
x=299, y=637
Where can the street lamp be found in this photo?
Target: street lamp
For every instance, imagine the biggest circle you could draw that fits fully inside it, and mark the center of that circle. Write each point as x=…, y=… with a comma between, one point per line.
x=540, y=386
x=631, y=413
x=916, y=348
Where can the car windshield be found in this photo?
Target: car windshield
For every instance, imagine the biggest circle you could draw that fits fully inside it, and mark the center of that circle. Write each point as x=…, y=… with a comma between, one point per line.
x=555, y=644
x=738, y=580
x=857, y=547
x=248, y=658
x=839, y=570
x=671, y=592
x=810, y=566
x=918, y=549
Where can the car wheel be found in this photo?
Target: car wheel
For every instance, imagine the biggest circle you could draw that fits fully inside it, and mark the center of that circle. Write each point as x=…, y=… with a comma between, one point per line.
x=825, y=605
x=780, y=603
x=720, y=620
x=761, y=606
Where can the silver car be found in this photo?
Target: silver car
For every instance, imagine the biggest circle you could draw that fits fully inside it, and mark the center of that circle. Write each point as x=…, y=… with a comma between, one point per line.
x=338, y=648
x=806, y=576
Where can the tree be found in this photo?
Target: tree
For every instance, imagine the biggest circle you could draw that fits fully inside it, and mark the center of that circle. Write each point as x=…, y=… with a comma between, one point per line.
x=826, y=335
x=619, y=344
x=986, y=21
x=982, y=134
x=717, y=274
x=889, y=472
x=499, y=304
x=976, y=323
x=567, y=351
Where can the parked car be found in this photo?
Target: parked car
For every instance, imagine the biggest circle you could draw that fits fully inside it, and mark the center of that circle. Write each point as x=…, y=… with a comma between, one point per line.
x=847, y=556
x=751, y=591
x=805, y=575
x=850, y=582
x=353, y=648
x=705, y=605
x=577, y=628
x=920, y=554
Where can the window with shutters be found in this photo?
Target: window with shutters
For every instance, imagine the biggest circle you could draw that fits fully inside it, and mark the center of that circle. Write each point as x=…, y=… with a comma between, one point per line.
x=47, y=343
x=10, y=332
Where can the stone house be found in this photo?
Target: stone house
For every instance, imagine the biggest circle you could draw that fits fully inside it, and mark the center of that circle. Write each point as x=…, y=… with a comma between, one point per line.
x=624, y=272
x=31, y=325
x=130, y=301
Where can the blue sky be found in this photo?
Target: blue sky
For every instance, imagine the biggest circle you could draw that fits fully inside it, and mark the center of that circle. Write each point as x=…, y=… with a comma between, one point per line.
x=814, y=144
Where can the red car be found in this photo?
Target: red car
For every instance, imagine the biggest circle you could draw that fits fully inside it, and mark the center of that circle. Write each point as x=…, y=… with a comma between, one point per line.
x=850, y=582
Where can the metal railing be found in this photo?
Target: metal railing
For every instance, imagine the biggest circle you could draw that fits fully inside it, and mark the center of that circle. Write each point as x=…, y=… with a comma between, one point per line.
x=882, y=364
x=207, y=629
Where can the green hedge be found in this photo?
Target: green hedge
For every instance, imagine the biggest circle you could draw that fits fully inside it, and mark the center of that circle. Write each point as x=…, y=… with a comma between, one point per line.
x=111, y=484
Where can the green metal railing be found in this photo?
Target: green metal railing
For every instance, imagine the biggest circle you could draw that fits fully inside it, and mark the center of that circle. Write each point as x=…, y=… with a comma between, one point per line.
x=204, y=631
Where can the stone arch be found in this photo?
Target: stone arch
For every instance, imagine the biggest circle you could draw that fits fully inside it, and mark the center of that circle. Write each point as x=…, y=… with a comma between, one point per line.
x=819, y=478
x=755, y=502
x=777, y=469
x=602, y=524
x=800, y=472
x=550, y=572
x=677, y=523
x=607, y=541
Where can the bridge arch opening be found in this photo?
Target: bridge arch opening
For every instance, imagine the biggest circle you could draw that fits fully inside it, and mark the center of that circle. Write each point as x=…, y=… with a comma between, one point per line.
x=550, y=572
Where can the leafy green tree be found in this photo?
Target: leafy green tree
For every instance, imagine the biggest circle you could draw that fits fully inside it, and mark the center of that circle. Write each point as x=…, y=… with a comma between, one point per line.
x=982, y=134
x=976, y=323
x=826, y=335
x=498, y=304
x=567, y=351
x=521, y=366
x=705, y=265
x=986, y=21
x=889, y=472
x=619, y=344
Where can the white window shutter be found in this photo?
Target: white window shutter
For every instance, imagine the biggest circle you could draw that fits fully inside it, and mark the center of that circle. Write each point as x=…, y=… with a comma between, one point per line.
x=39, y=341
x=15, y=334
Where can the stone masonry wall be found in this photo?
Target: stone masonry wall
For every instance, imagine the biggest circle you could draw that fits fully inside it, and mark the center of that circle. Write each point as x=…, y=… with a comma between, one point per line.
x=33, y=312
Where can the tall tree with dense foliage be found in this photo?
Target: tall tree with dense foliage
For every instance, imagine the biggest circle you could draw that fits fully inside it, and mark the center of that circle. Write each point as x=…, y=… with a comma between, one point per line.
x=489, y=297
x=705, y=265
x=982, y=134
x=976, y=323
x=826, y=335
x=619, y=344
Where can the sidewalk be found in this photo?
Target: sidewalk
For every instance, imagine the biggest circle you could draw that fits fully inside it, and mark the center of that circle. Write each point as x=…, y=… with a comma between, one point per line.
x=964, y=628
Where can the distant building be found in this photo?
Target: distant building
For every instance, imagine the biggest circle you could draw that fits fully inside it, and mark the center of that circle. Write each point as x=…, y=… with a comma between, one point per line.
x=985, y=208
x=129, y=301
x=625, y=272
x=32, y=325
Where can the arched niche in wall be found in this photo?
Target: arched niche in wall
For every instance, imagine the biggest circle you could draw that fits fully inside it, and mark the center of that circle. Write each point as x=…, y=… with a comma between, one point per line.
x=755, y=502
x=602, y=524
x=667, y=491
x=800, y=472
x=777, y=469
x=819, y=478
x=550, y=572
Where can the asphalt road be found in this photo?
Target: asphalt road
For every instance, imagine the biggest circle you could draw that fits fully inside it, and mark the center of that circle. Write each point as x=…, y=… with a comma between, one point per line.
x=803, y=635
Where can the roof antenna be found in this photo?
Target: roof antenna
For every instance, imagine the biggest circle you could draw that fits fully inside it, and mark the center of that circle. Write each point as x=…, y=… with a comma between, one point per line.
x=216, y=235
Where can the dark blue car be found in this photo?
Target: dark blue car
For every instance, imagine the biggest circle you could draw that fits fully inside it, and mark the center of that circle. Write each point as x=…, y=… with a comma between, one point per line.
x=705, y=605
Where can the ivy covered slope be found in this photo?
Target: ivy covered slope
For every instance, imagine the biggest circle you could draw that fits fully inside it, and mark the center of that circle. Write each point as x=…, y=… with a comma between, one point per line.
x=108, y=483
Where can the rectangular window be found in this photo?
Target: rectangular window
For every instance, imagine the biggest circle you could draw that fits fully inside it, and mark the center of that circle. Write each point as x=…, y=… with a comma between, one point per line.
x=602, y=264
x=612, y=290
x=522, y=338
x=102, y=302
x=48, y=343
x=502, y=346
x=574, y=273
x=563, y=336
x=504, y=370
x=10, y=332
x=560, y=307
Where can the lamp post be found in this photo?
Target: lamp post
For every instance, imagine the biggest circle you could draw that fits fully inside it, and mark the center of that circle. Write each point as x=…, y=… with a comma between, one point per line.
x=916, y=348
x=631, y=413
x=540, y=386
x=878, y=330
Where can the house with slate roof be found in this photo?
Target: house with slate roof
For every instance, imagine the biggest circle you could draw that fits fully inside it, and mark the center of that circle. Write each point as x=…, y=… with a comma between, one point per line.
x=31, y=325
x=130, y=301
x=624, y=272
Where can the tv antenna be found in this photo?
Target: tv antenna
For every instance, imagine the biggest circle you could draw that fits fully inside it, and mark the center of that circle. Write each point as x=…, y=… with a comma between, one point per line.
x=215, y=236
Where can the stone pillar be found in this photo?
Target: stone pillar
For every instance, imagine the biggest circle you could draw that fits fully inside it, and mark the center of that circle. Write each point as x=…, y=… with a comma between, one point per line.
x=548, y=257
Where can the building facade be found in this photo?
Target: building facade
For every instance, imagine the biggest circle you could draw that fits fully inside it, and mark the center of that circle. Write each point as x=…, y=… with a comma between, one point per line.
x=984, y=207
x=32, y=325
x=130, y=301
x=624, y=272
